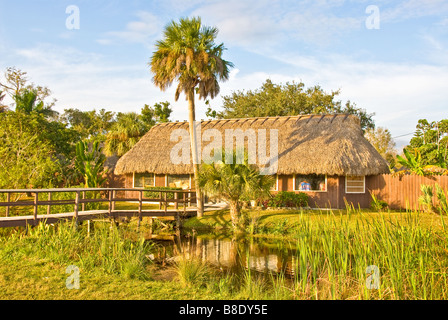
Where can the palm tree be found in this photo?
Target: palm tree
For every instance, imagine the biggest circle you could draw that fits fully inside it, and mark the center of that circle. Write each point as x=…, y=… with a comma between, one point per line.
x=233, y=182
x=3, y=107
x=188, y=54
x=27, y=101
x=124, y=133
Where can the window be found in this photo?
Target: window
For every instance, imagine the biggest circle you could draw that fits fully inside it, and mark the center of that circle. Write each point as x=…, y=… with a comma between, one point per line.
x=179, y=181
x=142, y=180
x=355, y=184
x=310, y=182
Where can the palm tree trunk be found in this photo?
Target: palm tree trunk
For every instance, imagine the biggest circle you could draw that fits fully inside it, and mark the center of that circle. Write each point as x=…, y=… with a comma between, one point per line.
x=235, y=214
x=194, y=151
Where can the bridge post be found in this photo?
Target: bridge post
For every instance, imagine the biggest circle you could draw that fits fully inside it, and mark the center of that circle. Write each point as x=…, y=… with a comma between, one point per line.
x=166, y=203
x=140, y=198
x=49, y=204
x=36, y=199
x=83, y=205
x=76, y=205
x=160, y=203
x=176, y=205
x=113, y=199
x=110, y=203
x=8, y=199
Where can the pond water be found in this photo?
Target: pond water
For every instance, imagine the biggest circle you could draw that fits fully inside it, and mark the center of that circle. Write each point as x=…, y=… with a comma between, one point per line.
x=223, y=251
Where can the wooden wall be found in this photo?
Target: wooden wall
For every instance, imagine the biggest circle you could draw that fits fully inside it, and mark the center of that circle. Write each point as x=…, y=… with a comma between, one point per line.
x=399, y=192
x=403, y=192
x=317, y=199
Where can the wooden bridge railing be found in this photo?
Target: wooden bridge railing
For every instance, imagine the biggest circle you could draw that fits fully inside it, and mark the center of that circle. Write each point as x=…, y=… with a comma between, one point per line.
x=108, y=195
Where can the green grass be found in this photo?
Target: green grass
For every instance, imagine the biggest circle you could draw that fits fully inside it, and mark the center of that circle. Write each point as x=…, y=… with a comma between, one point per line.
x=334, y=249
x=284, y=222
x=332, y=252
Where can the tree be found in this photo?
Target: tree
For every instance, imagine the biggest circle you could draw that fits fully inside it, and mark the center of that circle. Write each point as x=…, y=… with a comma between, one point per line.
x=125, y=133
x=290, y=99
x=413, y=162
x=233, y=182
x=17, y=82
x=3, y=107
x=381, y=139
x=90, y=124
x=28, y=158
x=90, y=163
x=161, y=112
x=188, y=54
x=27, y=101
x=431, y=141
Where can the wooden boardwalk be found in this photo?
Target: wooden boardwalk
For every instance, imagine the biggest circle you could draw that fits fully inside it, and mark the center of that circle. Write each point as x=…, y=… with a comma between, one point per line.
x=181, y=203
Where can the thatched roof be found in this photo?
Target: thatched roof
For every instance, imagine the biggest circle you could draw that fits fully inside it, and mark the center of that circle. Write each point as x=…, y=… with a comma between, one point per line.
x=320, y=144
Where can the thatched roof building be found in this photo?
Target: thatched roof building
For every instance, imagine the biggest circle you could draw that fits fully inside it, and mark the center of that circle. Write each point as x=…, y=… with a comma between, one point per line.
x=331, y=145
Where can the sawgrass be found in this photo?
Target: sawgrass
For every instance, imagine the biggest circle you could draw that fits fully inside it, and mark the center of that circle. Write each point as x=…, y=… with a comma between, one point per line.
x=332, y=253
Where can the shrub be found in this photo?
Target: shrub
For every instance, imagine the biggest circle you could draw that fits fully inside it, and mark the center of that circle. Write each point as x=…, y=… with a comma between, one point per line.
x=443, y=200
x=289, y=199
x=376, y=204
x=192, y=272
x=426, y=199
x=156, y=194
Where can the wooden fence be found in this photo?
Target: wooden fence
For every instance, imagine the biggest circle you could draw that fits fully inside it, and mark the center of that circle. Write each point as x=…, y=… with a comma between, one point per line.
x=79, y=200
x=403, y=192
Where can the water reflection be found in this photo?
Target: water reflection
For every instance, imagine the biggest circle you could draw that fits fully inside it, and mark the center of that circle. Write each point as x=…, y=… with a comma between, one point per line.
x=226, y=252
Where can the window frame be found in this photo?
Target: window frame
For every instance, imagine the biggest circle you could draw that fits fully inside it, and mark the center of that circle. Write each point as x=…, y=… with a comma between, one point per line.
x=356, y=192
x=294, y=184
x=133, y=180
x=189, y=179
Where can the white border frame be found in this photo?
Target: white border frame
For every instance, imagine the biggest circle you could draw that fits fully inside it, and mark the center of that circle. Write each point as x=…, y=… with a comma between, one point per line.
x=294, y=185
x=133, y=180
x=364, y=186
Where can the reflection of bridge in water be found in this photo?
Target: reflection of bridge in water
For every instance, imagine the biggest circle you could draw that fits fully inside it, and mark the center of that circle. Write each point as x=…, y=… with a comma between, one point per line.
x=232, y=254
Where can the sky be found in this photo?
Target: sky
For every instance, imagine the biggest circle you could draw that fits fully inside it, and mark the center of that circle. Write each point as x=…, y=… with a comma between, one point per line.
x=388, y=57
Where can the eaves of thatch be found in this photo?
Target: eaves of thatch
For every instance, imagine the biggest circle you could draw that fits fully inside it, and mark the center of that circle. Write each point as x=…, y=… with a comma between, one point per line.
x=320, y=144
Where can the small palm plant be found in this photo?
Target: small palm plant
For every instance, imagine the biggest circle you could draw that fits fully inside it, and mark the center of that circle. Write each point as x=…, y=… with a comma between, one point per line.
x=234, y=182
x=426, y=199
x=90, y=164
x=412, y=162
x=124, y=134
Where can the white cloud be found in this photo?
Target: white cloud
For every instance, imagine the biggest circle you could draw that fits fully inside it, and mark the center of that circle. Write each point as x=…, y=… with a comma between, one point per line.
x=243, y=23
x=87, y=80
x=414, y=9
x=142, y=30
x=399, y=93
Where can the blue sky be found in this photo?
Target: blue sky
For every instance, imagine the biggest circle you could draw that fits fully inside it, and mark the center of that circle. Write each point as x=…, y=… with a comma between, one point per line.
x=399, y=71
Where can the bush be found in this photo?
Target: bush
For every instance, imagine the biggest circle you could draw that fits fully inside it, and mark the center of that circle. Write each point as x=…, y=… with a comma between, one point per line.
x=377, y=205
x=289, y=199
x=426, y=200
x=156, y=194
